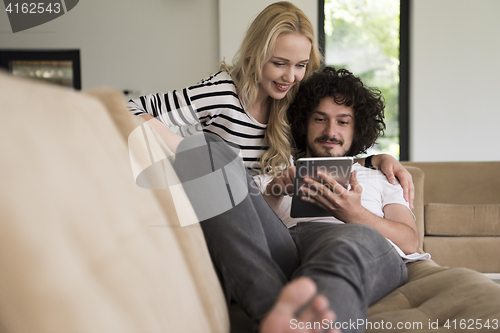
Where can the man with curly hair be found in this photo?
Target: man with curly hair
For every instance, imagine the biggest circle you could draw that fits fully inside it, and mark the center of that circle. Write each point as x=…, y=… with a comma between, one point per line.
x=357, y=255
x=302, y=277
x=344, y=89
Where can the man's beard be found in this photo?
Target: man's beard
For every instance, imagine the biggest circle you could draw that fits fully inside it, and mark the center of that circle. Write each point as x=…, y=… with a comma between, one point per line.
x=325, y=151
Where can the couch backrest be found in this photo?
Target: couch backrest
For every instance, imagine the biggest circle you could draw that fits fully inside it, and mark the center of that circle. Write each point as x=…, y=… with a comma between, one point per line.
x=82, y=248
x=462, y=183
x=191, y=237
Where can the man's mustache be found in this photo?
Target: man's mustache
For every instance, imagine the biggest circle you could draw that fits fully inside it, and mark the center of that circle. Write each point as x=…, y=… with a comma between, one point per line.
x=328, y=139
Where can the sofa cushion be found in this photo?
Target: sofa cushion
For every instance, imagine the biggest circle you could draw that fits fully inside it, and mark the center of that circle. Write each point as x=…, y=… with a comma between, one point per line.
x=82, y=248
x=478, y=253
x=462, y=220
x=436, y=295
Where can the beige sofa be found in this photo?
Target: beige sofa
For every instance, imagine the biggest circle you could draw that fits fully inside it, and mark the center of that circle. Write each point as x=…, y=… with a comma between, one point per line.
x=83, y=249
x=462, y=213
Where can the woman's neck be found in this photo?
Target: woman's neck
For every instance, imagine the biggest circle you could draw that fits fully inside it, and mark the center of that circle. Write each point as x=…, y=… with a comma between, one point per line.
x=261, y=108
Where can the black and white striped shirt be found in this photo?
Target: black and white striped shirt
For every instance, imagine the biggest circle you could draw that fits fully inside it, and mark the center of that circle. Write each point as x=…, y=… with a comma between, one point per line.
x=215, y=105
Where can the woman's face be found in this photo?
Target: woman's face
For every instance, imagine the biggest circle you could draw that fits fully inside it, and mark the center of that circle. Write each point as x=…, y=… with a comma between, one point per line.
x=286, y=67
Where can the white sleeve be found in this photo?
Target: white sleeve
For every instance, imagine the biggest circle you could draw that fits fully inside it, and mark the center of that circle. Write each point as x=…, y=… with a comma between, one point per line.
x=393, y=194
x=174, y=108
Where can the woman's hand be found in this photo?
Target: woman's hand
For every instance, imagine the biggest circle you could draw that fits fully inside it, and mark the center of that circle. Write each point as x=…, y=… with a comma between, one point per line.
x=392, y=170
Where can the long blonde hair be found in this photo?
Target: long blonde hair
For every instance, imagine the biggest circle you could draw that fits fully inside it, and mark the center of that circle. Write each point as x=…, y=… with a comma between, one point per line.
x=256, y=49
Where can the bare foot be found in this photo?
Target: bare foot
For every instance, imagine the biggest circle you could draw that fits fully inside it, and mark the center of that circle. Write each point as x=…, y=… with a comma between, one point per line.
x=314, y=314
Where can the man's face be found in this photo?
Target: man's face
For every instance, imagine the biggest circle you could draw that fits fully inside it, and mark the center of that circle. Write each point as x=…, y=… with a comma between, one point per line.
x=330, y=130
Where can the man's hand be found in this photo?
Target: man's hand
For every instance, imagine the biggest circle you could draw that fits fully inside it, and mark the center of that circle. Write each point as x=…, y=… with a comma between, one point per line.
x=398, y=225
x=344, y=204
x=280, y=186
x=392, y=170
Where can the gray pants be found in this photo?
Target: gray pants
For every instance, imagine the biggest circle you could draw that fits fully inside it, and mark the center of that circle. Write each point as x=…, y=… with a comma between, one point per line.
x=256, y=255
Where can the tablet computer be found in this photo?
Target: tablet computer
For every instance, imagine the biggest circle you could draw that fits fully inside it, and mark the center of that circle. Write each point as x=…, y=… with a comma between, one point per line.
x=338, y=167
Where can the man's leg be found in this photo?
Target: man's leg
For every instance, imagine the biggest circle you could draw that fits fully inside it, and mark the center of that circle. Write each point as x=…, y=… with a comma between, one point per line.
x=249, y=245
x=352, y=265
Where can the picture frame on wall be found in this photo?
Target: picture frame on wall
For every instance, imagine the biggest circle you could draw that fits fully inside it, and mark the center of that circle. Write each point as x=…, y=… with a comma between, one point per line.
x=60, y=67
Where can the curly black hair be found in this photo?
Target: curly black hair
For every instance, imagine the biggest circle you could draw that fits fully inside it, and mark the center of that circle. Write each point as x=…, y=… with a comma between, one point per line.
x=345, y=89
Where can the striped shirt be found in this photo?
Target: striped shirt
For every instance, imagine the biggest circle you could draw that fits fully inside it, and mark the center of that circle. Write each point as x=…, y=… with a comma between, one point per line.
x=212, y=106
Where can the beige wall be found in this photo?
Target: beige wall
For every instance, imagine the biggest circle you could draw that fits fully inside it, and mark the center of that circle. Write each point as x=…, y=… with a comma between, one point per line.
x=455, y=80
x=236, y=15
x=147, y=45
